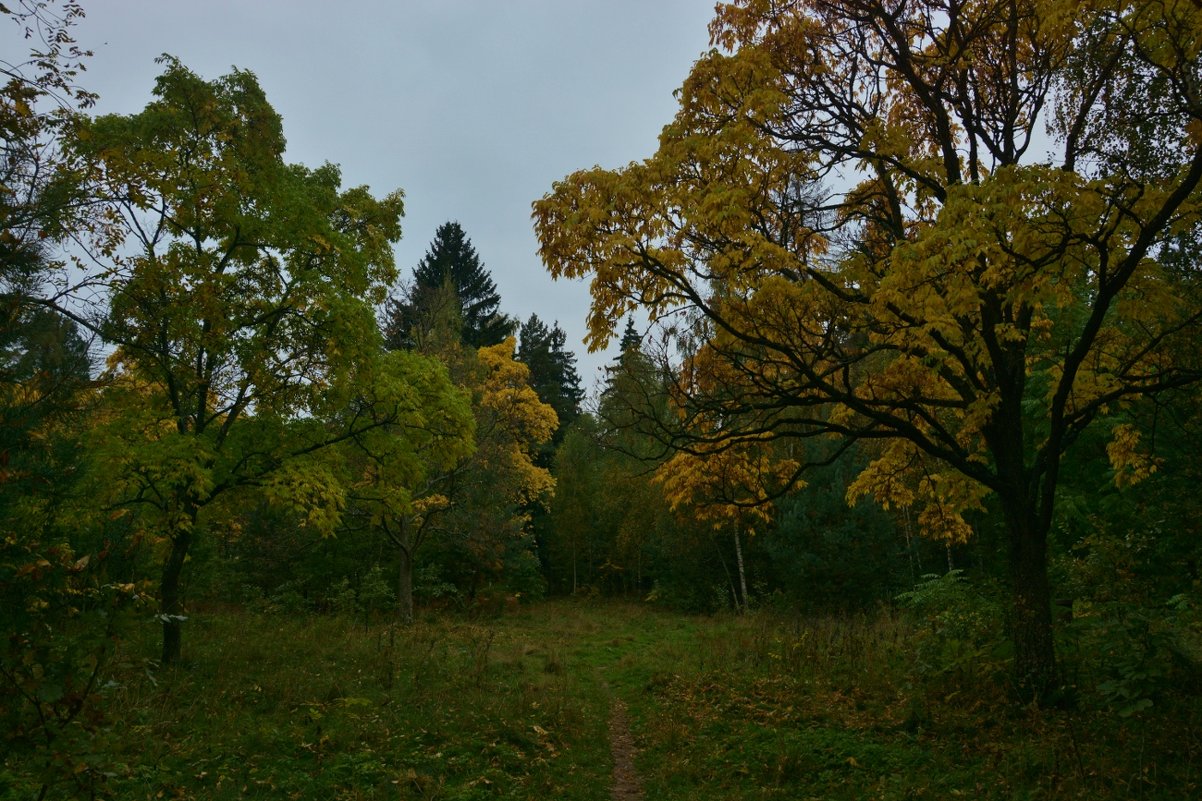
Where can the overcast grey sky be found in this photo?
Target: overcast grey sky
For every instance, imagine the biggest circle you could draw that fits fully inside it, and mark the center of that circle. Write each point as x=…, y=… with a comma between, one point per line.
x=472, y=107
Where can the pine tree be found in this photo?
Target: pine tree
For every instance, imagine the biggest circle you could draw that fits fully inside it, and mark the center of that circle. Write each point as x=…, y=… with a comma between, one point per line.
x=451, y=258
x=630, y=357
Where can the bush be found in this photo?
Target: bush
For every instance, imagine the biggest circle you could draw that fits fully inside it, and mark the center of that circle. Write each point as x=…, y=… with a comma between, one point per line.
x=1134, y=656
x=962, y=638
x=62, y=618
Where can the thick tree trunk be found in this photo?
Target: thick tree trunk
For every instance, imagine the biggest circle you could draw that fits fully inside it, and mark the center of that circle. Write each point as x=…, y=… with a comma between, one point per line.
x=404, y=589
x=1036, y=675
x=171, y=605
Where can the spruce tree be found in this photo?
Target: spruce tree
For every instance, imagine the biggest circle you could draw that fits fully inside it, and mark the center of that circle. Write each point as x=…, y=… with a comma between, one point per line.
x=450, y=258
x=632, y=341
x=552, y=369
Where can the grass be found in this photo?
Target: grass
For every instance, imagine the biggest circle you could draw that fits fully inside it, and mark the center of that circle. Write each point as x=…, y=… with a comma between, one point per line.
x=757, y=707
x=771, y=707
x=324, y=708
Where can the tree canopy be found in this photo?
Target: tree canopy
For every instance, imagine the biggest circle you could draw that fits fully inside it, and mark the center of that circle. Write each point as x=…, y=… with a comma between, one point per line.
x=552, y=369
x=239, y=303
x=950, y=228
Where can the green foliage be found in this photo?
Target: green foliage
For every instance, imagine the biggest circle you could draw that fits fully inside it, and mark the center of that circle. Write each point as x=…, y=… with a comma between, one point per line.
x=240, y=292
x=343, y=598
x=521, y=572
x=961, y=631
x=826, y=556
x=375, y=592
x=62, y=615
x=430, y=585
x=552, y=371
x=1134, y=657
x=66, y=577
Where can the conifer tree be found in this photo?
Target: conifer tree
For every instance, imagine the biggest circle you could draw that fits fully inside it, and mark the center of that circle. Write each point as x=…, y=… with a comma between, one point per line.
x=552, y=369
x=631, y=341
x=451, y=258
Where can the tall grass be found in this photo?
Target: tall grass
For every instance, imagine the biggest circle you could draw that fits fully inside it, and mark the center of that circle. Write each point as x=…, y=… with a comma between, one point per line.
x=889, y=705
x=271, y=706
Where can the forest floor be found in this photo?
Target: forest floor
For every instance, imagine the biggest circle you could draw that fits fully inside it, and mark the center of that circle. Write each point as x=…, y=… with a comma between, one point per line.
x=574, y=701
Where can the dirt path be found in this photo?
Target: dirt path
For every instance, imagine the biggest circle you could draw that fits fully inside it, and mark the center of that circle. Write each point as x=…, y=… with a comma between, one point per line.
x=626, y=782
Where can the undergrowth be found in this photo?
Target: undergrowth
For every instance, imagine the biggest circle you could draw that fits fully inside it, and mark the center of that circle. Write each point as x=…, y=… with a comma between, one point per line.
x=891, y=705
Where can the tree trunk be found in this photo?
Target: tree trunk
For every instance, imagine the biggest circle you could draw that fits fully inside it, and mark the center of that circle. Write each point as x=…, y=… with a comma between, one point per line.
x=170, y=605
x=742, y=573
x=1036, y=675
x=404, y=590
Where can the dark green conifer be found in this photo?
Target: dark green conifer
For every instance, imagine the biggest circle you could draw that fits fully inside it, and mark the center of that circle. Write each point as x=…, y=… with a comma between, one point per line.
x=552, y=369
x=451, y=258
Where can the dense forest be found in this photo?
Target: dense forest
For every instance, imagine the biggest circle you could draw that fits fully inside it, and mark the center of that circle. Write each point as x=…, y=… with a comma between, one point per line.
x=905, y=416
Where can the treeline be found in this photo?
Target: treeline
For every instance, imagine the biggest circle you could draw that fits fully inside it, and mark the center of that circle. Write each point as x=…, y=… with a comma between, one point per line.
x=283, y=418
x=217, y=387
x=613, y=528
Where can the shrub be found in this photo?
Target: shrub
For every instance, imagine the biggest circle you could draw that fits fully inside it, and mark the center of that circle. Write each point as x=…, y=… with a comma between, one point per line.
x=962, y=636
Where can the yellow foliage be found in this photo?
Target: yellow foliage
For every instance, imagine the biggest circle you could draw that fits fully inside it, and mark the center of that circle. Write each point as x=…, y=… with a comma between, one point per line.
x=726, y=485
x=311, y=489
x=510, y=402
x=903, y=477
x=850, y=200
x=1131, y=466
x=512, y=424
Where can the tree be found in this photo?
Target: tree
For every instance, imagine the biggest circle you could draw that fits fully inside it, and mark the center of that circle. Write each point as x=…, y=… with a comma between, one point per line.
x=474, y=505
x=451, y=258
x=40, y=194
x=239, y=304
x=631, y=341
x=729, y=487
x=43, y=360
x=55, y=59
x=856, y=197
x=552, y=369
x=60, y=594
x=604, y=516
x=493, y=492
x=400, y=464
x=475, y=508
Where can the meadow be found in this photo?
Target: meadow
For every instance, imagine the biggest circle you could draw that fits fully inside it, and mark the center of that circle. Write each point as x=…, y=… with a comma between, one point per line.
x=517, y=706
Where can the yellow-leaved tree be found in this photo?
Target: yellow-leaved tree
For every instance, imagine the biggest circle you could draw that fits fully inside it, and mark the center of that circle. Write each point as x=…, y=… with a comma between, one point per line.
x=729, y=486
x=962, y=229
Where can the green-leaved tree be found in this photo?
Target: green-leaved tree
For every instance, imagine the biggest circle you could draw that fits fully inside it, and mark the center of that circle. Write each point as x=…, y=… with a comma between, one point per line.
x=240, y=295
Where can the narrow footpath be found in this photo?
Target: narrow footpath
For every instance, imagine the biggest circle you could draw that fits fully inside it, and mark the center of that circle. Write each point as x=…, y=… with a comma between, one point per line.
x=626, y=785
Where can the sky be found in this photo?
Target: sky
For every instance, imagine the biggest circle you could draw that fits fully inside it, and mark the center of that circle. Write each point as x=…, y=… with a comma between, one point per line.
x=472, y=107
